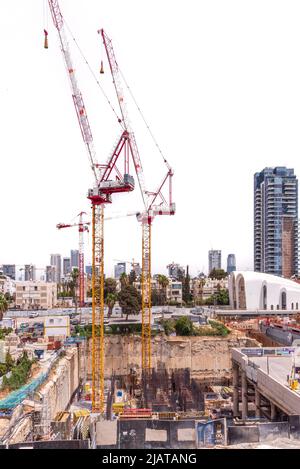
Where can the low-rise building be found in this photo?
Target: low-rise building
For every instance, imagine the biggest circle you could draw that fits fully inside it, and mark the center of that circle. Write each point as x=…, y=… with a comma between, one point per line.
x=261, y=291
x=173, y=289
x=57, y=326
x=203, y=288
x=36, y=295
x=7, y=285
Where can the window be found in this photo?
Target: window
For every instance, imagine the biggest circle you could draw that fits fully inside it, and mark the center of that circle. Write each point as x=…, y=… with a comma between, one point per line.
x=272, y=307
x=292, y=305
x=51, y=321
x=297, y=307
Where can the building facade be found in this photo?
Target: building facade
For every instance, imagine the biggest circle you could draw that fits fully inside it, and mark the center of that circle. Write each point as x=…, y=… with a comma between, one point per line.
x=50, y=273
x=214, y=260
x=55, y=261
x=231, y=263
x=66, y=266
x=175, y=271
x=7, y=285
x=260, y=291
x=276, y=222
x=74, y=258
x=203, y=288
x=36, y=295
x=9, y=270
x=29, y=273
x=120, y=268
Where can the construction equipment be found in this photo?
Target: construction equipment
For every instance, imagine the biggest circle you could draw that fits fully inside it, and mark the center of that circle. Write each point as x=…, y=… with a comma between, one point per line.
x=99, y=195
x=82, y=227
x=154, y=202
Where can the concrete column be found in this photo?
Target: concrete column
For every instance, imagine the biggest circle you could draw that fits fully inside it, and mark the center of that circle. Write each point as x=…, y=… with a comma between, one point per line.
x=235, y=371
x=273, y=412
x=244, y=396
x=257, y=404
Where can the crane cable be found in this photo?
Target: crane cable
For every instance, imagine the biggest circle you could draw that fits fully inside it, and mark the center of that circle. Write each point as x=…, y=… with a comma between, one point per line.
x=92, y=72
x=109, y=102
x=145, y=122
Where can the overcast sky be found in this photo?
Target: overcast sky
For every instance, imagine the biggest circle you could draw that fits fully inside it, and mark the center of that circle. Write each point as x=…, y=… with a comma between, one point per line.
x=219, y=83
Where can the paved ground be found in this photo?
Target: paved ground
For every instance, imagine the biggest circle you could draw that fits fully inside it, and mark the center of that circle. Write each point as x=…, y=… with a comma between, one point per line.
x=277, y=367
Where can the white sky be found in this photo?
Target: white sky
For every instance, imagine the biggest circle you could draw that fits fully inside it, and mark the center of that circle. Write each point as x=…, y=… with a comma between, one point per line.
x=219, y=82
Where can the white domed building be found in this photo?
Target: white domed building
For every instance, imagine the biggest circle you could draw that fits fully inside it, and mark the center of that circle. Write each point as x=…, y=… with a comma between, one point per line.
x=256, y=290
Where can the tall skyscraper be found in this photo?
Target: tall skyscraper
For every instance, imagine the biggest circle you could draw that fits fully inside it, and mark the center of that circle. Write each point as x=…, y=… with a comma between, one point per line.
x=120, y=268
x=55, y=261
x=50, y=273
x=276, y=222
x=66, y=266
x=29, y=273
x=74, y=258
x=214, y=260
x=9, y=270
x=231, y=264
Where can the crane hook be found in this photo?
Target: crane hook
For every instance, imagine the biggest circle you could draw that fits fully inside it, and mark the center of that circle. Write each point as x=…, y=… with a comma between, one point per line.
x=45, y=39
x=101, y=68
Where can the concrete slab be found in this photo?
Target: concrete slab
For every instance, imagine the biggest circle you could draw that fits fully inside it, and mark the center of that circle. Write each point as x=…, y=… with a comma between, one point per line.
x=106, y=433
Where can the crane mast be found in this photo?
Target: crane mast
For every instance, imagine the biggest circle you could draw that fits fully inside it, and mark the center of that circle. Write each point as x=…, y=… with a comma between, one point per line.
x=82, y=227
x=149, y=198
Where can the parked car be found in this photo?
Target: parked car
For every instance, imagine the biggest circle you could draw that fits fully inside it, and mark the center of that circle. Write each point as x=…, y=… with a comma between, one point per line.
x=34, y=314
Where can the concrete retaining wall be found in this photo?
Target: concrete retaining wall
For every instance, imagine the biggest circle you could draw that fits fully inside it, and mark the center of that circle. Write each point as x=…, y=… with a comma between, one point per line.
x=205, y=356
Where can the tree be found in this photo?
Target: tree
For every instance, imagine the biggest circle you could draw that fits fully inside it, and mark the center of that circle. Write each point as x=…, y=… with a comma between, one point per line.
x=110, y=287
x=163, y=282
x=9, y=361
x=74, y=285
x=110, y=301
x=218, y=274
x=124, y=280
x=155, y=297
x=129, y=300
x=186, y=289
x=184, y=326
x=132, y=277
x=3, y=306
x=222, y=297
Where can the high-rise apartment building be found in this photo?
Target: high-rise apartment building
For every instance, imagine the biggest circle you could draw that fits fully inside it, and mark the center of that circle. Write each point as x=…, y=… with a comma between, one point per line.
x=74, y=258
x=66, y=266
x=9, y=270
x=175, y=271
x=50, y=273
x=231, y=263
x=120, y=268
x=214, y=260
x=55, y=261
x=276, y=222
x=29, y=273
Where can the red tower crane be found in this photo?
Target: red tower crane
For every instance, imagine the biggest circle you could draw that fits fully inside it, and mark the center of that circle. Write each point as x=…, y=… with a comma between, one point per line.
x=82, y=227
x=155, y=204
x=99, y=195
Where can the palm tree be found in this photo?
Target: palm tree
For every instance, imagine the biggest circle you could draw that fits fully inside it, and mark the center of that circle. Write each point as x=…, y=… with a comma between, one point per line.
x=163, y=282
x=3, y=306
x=110, y=302
x=124, y=280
